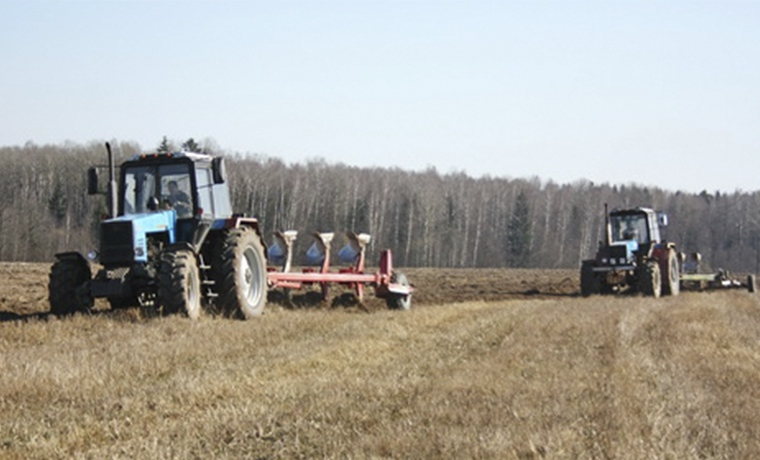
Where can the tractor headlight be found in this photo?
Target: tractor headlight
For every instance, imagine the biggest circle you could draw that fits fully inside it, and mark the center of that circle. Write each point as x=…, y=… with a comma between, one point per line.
x=93, y=255
x=604, y=260
x=622, y=261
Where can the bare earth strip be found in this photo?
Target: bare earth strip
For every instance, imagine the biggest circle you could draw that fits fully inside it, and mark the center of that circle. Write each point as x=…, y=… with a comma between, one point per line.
x=536, y=375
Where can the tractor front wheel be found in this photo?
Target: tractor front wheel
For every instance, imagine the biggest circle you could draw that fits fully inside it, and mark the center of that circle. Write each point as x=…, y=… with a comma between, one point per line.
x=590, y=282
x=241, y=273
x=67, y=276
x=650, y=279
x=179, y=286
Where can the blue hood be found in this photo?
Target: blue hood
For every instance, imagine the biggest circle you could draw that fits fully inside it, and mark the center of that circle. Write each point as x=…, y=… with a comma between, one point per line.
x=142, y=225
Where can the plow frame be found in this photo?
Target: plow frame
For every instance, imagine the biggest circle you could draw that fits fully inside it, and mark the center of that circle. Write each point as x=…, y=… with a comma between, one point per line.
x=353, y=276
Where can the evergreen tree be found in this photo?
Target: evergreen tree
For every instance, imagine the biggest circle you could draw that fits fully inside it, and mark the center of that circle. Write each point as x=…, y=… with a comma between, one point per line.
x=519, y=233
x=191, y=146
x=58, y=204
x=164, y=147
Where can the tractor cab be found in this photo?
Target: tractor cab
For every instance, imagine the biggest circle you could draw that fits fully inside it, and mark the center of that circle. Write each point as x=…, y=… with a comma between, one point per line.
x=636, y=229
x=631, y=233
x=150, y=188
x=161, y=199
x=188, y=183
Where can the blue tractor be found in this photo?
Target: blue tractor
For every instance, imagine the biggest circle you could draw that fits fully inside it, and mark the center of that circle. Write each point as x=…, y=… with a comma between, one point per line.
x=633, y=257
x=170, y=241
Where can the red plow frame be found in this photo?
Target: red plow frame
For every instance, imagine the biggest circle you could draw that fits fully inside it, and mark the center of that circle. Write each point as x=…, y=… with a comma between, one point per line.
x=388, y=284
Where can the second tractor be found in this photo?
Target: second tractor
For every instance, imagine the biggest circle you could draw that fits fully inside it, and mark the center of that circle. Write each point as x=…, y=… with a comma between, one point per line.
x=633, y=256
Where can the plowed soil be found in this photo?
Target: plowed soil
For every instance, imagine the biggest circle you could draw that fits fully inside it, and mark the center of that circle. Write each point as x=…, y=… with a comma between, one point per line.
x=447, y=285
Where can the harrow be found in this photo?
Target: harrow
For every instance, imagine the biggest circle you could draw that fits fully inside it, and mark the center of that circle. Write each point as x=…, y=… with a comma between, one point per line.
x=691, y=279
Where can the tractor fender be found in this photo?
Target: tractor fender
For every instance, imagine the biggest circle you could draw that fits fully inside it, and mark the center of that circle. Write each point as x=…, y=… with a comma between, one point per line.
x=660, y=255
x=660, y=252
x=72, y=255
x=182, y=245
x=238, y=222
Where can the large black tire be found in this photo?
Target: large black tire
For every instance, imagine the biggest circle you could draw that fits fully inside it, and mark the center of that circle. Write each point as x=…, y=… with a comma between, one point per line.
x=671, y=275
x=179, y=284
x=399, y=302
x=650, y=279
x=66, y=277
x=241, y=273
x=590, y=282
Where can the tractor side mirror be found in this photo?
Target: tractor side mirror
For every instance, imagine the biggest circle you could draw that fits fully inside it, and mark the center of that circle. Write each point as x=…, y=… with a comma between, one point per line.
x=662, y=219
x=220, y=174
x=92, y=181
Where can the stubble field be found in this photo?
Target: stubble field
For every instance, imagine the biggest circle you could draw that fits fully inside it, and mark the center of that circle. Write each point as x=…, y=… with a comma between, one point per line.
x=487, y=364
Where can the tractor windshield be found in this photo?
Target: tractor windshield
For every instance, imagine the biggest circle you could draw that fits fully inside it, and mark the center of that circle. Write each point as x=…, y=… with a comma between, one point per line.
x=169, y=184
x=629, y=227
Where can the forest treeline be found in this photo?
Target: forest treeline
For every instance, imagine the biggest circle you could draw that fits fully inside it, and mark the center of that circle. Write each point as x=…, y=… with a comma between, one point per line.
x=427, y=218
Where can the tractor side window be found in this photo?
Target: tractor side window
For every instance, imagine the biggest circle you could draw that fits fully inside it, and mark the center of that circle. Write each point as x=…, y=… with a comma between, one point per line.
x=176, y=190
x=204, y=183
x=222, y=200
x=139, y=185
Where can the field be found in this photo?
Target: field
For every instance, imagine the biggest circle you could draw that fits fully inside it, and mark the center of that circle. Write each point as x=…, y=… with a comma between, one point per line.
x=508, y=364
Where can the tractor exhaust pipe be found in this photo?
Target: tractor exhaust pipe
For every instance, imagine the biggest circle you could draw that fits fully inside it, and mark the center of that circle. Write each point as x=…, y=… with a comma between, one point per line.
x=111, y=191
x=607, y=226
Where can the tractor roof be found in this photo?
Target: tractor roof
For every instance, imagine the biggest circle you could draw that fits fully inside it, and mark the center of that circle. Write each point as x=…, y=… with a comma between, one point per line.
x=192, y=156
x=632, y=211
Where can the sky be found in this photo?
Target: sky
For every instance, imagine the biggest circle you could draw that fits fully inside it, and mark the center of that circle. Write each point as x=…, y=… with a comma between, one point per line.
x=657, y=93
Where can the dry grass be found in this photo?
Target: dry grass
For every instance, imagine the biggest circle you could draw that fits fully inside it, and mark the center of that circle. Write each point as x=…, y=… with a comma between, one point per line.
x=599, y=378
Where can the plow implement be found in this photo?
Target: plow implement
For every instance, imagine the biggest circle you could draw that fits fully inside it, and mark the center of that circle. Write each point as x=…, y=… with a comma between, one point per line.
x=388, y=284
x=716, y=281
x=692, y=280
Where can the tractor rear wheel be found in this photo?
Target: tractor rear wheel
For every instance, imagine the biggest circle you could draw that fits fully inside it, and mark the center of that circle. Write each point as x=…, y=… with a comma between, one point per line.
x=241, y=273
x=650, y=279
x=179, y=285
x=590, y=283
x=670, y=274
x=398, y=301
x=66, y=277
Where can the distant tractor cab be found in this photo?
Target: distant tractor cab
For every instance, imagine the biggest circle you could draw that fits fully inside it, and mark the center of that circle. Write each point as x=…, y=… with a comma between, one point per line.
x=633, y=257
x=171, y=241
